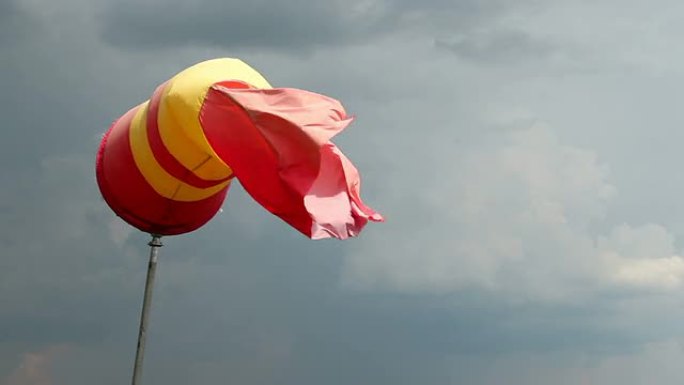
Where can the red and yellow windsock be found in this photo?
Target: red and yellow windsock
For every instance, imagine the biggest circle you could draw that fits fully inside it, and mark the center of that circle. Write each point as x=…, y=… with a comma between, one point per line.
x=165, y=166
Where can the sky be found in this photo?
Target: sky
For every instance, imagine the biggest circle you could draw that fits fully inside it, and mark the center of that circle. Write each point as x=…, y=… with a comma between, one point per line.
x=524, y=153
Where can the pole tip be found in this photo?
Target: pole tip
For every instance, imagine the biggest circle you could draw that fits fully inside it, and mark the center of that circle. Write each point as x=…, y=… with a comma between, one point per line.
x=156, y=241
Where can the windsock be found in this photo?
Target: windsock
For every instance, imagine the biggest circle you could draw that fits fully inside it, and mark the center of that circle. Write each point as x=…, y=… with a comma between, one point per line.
x=165, y=166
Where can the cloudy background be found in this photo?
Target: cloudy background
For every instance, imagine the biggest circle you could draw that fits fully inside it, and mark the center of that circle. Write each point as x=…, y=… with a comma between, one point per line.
x=526, y=154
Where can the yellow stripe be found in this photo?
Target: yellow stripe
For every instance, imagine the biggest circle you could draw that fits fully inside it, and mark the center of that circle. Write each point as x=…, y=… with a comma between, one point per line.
x=179, y=108
x=205, y=165
x=161, y=181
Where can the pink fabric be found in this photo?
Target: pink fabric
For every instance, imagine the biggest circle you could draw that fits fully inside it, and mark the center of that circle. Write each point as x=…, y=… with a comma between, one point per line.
x=277, y=142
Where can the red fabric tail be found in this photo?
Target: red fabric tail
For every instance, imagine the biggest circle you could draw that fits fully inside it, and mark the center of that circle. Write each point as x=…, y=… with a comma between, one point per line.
x=277, y=141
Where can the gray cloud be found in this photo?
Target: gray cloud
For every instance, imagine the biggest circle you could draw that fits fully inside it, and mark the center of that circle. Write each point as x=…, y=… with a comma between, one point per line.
x=497, y=47
x=10, y=21
x=281, y=26
x=297, y=26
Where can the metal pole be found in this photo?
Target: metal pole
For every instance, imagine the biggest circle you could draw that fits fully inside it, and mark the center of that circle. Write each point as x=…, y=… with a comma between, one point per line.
x=154, y=244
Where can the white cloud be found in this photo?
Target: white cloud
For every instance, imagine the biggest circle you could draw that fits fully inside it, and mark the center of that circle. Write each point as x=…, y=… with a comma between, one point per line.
x=516, y=214
x=655, y=363
x=642, y=257
x=658, y=273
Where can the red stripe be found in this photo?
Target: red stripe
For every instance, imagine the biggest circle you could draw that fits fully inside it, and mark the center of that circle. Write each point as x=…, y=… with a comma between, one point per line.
x=130, y=196
x=161, y=153
x=233, y=84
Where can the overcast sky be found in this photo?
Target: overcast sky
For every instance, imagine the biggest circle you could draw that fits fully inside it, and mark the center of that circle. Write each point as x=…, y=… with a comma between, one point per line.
x=526, y=154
